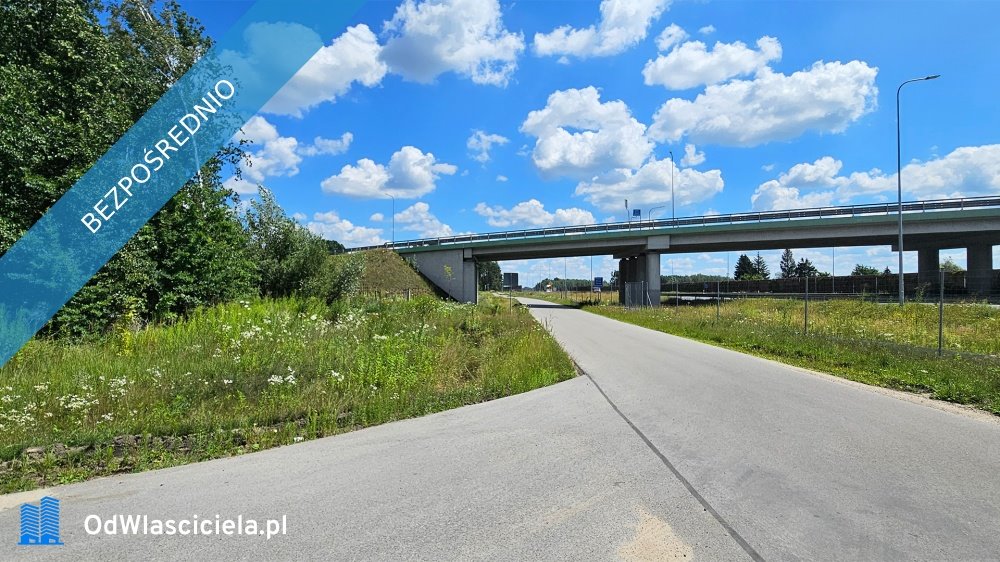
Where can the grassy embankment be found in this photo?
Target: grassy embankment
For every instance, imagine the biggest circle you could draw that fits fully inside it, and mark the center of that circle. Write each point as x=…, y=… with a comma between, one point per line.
x=251, y=375
x=878, y=344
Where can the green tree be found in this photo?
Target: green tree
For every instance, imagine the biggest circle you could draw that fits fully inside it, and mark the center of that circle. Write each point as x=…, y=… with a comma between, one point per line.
x=864, y=270
x=887, y=271
x=334, y=247
x=338, y=277
x=200, y=249
x=744, y=269
x=71, y=88
x=490, y=276
x=693, y=278
x=787, y=264
x=65, y=99
x=805, y=268
x=760, y=268
x=287, y=255
x=949, y=266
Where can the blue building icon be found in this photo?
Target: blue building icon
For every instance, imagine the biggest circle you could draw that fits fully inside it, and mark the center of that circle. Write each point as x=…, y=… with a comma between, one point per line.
x=40, y=523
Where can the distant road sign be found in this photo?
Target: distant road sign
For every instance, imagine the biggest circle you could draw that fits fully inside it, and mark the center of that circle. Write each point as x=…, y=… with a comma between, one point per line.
x=637, y=213
x=598, y=284
x=510, y=281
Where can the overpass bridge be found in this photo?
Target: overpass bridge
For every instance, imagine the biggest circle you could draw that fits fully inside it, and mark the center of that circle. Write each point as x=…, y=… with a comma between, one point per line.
x=928, y=227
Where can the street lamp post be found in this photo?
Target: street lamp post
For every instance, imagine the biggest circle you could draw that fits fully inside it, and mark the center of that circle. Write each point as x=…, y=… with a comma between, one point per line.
x=649, y=215
x=673, y=212
x=393, y=219
x=899, y=181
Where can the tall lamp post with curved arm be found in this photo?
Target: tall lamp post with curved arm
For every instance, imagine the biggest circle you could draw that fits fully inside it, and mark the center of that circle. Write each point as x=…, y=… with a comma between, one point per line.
x=649, y=215
x=393, y=218
x=899, y=181
x=673, y=212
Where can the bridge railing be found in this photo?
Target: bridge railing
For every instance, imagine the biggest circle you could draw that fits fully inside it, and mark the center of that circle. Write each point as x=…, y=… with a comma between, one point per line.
x=733, y=218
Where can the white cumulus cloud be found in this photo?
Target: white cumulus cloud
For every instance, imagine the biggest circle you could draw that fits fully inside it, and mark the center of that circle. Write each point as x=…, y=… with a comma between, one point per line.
x=462, y=36
x=692, y=64
x=322, y=145
x=965, y=172
x=418, y=218
x=329, y=74
x=274, y=155
x=827, y=97
x=650, y=186
x=532, y=213
x=623, y=24
x=410, y=173
x=772, y=196
x=707, y=30
x=691, y=156
x=579, y=136
x=671, y=35
x=270, y=155
x=480, y=143
x=330, y=226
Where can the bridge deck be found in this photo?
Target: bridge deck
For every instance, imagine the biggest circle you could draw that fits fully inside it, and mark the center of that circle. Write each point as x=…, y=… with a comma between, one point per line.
x=971, y=220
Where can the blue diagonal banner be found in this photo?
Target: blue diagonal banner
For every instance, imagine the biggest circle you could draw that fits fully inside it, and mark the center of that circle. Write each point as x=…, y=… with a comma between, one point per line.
x=153, y=160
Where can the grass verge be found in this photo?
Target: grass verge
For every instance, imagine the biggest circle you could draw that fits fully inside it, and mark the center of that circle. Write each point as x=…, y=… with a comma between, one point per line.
x=878, y=344
x=252, y=375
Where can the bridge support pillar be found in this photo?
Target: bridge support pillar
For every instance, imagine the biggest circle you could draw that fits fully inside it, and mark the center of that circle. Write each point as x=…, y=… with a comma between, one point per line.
x=644, y=267
x=622, y=268
x=928, y=265
x=636, y=267
x=652, y=277
x=979, y=277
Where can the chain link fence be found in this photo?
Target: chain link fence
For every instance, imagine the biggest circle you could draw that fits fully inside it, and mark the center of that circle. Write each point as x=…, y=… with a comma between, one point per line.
x=635, y=294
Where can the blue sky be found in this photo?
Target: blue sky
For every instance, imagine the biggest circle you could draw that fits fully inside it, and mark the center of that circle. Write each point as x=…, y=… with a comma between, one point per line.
x=482, y=116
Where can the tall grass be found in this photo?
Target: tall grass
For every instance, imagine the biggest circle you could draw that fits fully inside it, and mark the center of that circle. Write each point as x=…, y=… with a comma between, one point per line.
x=250, y=375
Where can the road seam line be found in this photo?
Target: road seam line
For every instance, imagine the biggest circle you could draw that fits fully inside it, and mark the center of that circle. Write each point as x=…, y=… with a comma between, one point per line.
x=663, y=458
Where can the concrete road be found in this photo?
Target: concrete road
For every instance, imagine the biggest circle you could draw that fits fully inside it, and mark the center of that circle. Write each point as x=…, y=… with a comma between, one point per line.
x=665, y=449
x=800, y=465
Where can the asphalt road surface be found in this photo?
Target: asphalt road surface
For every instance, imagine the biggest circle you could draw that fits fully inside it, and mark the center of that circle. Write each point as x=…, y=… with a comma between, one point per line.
x=666, y=448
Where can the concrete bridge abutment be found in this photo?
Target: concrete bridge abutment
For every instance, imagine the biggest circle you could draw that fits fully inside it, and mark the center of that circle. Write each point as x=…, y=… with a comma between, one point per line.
x=452, y=271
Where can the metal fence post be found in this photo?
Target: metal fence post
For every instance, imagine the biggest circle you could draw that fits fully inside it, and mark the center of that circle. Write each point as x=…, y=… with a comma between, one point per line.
x=718, y=299
x=805, y=329
x=941, y=315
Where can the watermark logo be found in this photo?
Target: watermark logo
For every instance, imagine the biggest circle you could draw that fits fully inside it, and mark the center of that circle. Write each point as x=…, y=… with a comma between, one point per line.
x=40, y=523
